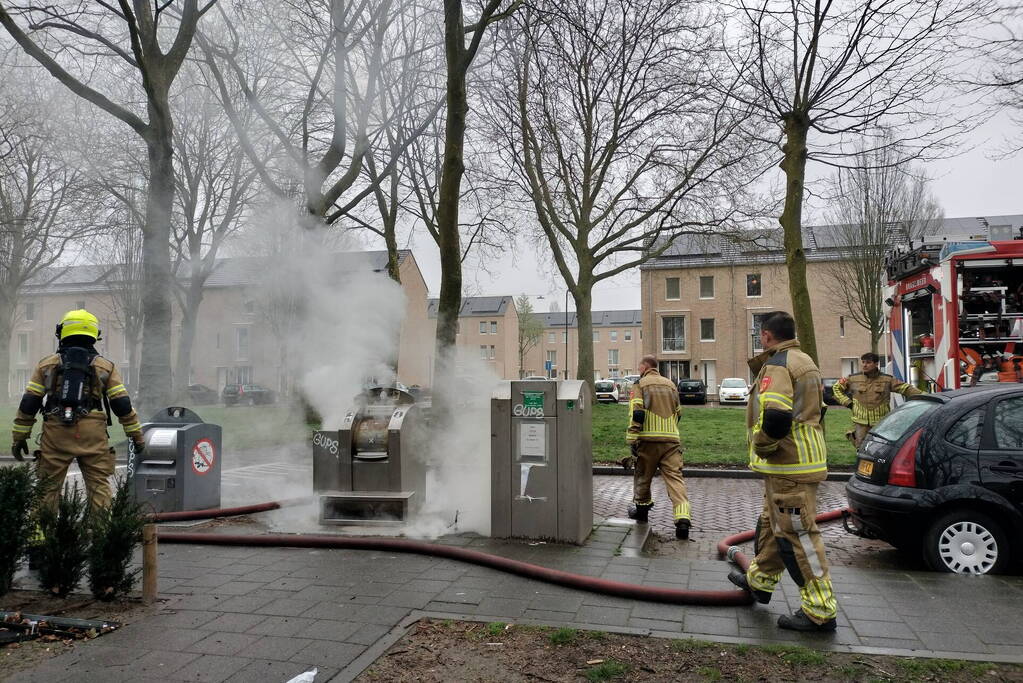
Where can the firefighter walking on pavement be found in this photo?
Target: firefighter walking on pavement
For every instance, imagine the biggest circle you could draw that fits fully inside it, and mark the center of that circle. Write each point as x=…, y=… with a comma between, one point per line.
x=869, y=394
x=786, y=445
x=654, y=413
x=75, y=389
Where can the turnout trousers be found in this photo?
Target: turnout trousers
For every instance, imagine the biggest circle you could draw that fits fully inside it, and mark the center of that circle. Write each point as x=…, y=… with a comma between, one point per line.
x=668, y=456
x=788, y=539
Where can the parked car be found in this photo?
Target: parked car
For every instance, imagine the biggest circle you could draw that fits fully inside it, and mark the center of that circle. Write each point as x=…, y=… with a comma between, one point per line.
x=201, y=395
x=692, y=391
x=606, y=391
x=829, y=391
x=733, y=390
x=247, y=394
x=942, y=474
x=537, y=378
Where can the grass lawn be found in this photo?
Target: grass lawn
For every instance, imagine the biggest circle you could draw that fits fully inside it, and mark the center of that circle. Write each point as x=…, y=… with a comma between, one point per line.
x=711, y=435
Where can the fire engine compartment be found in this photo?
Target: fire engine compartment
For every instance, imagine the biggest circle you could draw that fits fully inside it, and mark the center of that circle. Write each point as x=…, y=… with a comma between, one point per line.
x=990, y=325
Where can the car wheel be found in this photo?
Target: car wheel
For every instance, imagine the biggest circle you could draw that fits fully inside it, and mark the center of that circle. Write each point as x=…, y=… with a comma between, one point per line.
x=966, y=542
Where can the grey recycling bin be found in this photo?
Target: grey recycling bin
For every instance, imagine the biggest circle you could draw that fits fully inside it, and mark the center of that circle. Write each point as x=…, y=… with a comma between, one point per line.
x=180, y=466
x=541, y=460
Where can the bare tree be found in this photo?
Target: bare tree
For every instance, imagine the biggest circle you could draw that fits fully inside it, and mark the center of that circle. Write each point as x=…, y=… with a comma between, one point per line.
x=530, y=330
x=215, y=186
x=458, y=56
x=322, y=98
x=127, y=35
x=620, y=135
x=838, y=69
x=123, y=243
x=44, y=207
x=879, y=204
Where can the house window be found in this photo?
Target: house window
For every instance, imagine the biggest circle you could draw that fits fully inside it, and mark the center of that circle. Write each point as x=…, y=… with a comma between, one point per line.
x=30, y=311
x=612, y=358
x=596, y=335
x=758, y=321
x=628, y=335
x=706, y=286
x=706, y=329
x=483, y=352
x=841, y=326
x=243, y=373
x=672, y=289
x=614, y=335
x=493, y=327
x=79, y=305
x=492, y=350
x=552, y=364
x=673, y=334
x=564, y=337
x=551, y=338
x=243, y=344
x=483, y=327
x=753, y=284
x=23, y=348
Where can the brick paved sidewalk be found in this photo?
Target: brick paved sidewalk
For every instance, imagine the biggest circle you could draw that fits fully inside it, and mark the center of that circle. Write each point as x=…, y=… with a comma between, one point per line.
x=267, y=614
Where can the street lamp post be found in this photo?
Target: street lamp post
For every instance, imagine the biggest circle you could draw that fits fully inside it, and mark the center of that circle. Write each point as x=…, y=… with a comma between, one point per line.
x=566, y=334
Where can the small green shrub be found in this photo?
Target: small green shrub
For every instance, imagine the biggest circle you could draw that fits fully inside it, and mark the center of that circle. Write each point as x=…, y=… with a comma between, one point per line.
x=562, y=636
x=115, y=533
x=691, y=645
x=711, y=673
x=496, y=628
x=606, y=670
x=61, y=553
x=18, y=496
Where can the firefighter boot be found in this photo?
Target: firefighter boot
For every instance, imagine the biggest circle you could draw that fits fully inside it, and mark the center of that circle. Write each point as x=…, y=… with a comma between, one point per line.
x=798, y=621
x=738, y=577
x=682, y=528
x=640, y=511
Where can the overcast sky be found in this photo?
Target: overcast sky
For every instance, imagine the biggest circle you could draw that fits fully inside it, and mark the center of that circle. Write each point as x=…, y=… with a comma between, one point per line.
x=976, y=183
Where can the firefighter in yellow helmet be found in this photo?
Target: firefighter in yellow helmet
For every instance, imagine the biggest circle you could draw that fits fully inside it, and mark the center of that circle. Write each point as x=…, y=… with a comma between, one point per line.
x=74, y=389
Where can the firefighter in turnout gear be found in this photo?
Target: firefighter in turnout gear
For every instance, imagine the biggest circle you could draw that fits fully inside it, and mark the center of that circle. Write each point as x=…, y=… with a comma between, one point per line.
x=869, y=394
x=786, y=445
x=73, y=389
x=654, y=413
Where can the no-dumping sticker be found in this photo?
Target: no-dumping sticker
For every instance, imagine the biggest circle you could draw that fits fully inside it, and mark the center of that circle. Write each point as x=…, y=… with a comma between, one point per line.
x=203, y=456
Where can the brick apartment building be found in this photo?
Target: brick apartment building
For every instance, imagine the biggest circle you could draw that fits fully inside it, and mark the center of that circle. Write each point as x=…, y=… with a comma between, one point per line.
x=617, y=345
x=232, y=343
x=487, y=326
x=702, y=301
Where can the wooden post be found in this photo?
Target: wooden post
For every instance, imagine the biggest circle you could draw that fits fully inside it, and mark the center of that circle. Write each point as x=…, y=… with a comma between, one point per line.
x=149, y=568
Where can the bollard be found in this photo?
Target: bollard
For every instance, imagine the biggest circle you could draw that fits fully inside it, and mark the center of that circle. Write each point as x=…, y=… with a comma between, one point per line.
x=149, y=568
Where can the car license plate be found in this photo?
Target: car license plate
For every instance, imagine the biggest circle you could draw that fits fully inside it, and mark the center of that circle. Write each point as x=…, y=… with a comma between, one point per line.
x=690, y=395
x=866, y=468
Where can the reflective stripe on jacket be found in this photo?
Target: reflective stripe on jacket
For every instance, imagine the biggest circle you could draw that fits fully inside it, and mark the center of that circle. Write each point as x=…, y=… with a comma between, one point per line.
x=656, y=399
x=788, y=382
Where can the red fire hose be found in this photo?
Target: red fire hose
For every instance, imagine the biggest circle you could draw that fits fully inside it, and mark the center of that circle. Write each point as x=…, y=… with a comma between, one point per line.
x=726, y=548
x=210, y=513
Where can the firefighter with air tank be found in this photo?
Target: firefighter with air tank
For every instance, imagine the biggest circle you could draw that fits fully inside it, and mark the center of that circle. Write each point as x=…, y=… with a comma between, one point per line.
x=75, y=389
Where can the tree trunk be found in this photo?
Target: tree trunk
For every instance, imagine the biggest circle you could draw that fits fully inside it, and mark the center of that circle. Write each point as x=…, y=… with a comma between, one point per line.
x=794, y=165
x=7, y=391
x=875, y=339
x=186, y=340
x=155, y=367
x=133, y=363
x=584, y=328
x=450, y=301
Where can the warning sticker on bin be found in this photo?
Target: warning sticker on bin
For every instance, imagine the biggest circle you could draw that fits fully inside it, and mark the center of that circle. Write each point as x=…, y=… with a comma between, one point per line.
x=204, y=454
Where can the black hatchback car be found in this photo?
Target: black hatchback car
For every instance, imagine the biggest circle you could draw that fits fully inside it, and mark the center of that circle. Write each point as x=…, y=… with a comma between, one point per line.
x=943, y=475
x=692, y=391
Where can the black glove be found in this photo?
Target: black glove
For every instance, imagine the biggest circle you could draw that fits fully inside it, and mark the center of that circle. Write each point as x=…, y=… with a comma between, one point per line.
x=139, y=447
x=19, y=449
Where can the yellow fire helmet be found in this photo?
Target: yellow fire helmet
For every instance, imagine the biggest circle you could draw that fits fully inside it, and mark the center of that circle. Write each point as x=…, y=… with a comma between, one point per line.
x=78, y=322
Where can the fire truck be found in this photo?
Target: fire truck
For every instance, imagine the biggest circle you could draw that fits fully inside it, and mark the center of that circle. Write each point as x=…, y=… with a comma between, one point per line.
x=955, y=312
